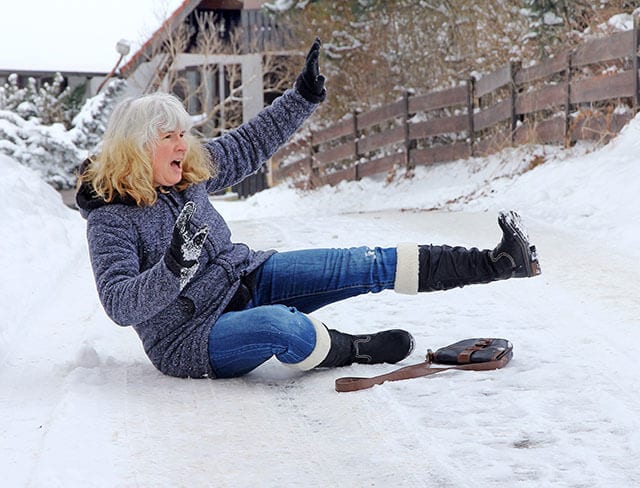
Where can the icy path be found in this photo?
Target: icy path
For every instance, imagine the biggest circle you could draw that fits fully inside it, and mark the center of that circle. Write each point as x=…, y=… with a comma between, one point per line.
x=81, y=406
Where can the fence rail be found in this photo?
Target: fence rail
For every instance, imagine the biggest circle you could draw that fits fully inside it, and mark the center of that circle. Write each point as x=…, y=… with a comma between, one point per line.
x=587, y=93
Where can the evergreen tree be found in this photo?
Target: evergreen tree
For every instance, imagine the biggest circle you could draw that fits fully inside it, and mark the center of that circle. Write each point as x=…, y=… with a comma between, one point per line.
x=49, y=148
x=46, y=103
x=50, y=101
x=90, y=123
x=547, y=22
x=11, y=95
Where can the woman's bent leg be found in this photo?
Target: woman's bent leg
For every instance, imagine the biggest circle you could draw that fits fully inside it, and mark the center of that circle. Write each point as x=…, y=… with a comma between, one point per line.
x=241, y=341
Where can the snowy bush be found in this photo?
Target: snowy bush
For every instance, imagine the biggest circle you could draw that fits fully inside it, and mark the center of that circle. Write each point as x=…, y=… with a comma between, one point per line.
x=46, y=103
x=30, y=136
x=47, y=149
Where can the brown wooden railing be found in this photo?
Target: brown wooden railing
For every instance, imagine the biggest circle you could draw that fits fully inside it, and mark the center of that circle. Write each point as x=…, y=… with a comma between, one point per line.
x=588, y=93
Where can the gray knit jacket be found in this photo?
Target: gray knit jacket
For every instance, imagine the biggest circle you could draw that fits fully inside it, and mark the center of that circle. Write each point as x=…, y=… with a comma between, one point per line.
x=127, y=244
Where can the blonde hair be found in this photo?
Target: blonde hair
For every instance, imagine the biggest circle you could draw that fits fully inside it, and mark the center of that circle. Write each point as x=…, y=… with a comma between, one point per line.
x=123, y=166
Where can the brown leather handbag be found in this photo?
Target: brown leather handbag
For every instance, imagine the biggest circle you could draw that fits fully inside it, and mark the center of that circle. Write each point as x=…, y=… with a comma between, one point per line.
x=480, y=354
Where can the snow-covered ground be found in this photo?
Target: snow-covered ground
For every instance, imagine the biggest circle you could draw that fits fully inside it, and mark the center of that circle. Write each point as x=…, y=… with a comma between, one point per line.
x=80, y=405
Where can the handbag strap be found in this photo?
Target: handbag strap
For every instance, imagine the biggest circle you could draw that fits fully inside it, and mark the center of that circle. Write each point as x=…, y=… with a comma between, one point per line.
x=349, y=383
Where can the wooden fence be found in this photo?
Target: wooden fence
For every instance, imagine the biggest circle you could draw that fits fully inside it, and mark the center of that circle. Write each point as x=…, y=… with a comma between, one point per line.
x=588, y=93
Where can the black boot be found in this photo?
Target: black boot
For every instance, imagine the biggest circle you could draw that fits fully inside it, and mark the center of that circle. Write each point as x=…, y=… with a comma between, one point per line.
x=444, y=267
x=515, y=256
x=389, y=346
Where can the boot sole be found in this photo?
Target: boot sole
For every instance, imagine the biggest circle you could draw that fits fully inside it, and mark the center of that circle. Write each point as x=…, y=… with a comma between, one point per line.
x=513, y=222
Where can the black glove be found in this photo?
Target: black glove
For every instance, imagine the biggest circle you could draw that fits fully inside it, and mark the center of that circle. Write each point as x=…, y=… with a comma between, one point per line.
x=182, y=256
x=310, y=83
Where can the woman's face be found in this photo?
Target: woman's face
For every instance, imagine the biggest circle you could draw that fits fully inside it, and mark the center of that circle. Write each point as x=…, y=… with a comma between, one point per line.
x=166, y=158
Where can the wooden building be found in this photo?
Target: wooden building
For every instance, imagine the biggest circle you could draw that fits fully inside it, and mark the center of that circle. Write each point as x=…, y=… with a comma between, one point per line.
x=211, y=53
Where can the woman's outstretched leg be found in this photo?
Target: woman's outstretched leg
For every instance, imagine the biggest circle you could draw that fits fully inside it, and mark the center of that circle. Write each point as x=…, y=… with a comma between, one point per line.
x=311, y=279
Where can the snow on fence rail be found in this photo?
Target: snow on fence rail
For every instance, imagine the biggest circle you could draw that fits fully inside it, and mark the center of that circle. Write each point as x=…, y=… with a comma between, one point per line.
x=588, y=93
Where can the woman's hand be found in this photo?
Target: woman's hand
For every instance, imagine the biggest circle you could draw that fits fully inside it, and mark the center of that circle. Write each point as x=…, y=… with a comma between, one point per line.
x=182, y=256
x=310, y=83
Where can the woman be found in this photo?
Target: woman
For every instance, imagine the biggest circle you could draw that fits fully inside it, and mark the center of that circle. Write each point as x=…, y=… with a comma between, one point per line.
x=203, y=306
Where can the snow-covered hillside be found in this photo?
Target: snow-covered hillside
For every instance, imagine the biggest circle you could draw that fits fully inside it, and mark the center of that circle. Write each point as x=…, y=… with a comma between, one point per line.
x=80, y=405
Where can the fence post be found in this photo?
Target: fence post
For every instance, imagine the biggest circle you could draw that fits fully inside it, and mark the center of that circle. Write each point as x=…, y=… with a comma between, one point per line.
x=313, y=171
x=356, y=151
x=405, y=124
x=471, y=92
x=513, y=68
x=634, y=63
x=567, y=107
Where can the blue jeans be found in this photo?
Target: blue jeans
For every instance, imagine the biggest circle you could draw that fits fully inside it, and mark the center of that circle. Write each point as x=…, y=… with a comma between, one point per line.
x=288, y=286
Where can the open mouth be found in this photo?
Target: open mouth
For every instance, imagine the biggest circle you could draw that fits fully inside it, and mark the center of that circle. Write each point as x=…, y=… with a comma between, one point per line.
x=176, y=163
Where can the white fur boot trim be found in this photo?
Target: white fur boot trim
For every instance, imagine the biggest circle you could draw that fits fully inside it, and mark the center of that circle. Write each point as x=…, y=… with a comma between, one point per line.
x=320, y=351
x=407, y=269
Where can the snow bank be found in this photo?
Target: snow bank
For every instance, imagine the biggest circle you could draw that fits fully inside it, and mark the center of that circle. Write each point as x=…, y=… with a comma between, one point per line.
x=597, y=194
x=41, y=238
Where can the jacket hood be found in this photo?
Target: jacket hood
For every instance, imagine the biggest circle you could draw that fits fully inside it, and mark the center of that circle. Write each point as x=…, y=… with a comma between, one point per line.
x=87, y=199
